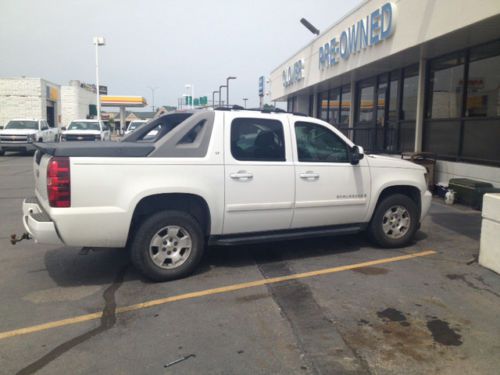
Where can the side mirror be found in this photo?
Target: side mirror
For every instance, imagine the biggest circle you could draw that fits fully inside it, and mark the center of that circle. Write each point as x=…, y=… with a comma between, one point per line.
x=63, y=128
x=357, y=153
x=1, y=127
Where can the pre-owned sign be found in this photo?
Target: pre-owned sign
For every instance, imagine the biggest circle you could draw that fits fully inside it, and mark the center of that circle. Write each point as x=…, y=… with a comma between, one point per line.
x=372, y=30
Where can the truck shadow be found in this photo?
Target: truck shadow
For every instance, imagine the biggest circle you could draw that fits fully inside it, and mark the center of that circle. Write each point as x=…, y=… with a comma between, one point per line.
x=67, y=267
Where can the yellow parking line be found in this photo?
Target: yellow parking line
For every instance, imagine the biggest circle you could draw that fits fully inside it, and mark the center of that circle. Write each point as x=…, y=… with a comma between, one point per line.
x=208, y=292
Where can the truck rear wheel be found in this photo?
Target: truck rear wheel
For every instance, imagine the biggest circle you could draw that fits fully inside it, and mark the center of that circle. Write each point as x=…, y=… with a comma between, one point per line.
x=167, y=246
x=394, y=221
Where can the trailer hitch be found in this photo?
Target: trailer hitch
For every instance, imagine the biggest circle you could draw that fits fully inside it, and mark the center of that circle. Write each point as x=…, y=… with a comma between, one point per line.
x=14, y=239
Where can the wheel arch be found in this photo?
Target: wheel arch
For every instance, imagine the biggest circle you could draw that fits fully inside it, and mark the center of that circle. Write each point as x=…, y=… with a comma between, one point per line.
x=411, y=191
x=193, y=204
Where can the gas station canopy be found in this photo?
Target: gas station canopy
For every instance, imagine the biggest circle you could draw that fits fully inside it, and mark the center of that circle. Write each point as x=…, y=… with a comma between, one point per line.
x=123, y=101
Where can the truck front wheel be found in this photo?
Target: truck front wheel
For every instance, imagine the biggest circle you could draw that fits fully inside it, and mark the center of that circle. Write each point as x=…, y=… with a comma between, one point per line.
x=167, y=246
x=394, y=221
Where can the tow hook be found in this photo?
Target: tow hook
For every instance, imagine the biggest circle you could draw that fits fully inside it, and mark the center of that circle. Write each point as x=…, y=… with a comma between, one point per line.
x=14, y=239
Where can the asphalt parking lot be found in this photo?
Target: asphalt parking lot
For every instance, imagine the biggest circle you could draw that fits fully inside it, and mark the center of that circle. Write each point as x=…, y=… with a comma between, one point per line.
x=323, y=306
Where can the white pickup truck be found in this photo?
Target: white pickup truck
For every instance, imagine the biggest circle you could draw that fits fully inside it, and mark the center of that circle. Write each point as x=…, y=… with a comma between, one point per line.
x=221, y=177
x=86, y=130
x=20, y=134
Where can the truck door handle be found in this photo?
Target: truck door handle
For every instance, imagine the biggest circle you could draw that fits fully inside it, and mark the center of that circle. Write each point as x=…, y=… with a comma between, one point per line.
x=241, y=175
x=309, y=175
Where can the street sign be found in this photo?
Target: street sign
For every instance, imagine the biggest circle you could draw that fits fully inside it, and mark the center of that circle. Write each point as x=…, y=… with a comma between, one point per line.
x=261, y=86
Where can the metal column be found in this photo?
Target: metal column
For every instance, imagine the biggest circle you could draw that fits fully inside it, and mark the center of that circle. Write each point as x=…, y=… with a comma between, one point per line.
x=122, y=119
x=419, y=122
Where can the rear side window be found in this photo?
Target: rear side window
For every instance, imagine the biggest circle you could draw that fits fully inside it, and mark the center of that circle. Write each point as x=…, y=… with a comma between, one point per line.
x=192, y=135
x=255, y=139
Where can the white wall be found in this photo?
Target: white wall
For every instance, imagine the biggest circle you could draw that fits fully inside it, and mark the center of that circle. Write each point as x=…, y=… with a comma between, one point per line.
x=21, y=98
x=445, y=170
x=75, y=102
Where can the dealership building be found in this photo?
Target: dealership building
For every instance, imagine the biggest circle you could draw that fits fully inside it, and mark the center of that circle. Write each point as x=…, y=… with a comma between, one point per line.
x=407, y=76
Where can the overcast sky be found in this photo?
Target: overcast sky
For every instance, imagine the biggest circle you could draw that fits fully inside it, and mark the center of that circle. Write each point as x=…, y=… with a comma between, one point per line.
x=159, y=43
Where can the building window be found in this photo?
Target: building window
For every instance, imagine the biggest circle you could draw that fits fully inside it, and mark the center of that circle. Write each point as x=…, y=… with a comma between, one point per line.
x=322, y=112
x=345, y=105
x=463, y=108
x=483, y=82
x=393, y=112
x=311, y=105
x=410, y=91
x=365, y=103
x=382, y=91
x=334, y=106
x=291, y=104
x=445, y=86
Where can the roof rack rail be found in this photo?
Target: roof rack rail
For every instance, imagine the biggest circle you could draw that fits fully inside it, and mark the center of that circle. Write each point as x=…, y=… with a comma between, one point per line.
x=272, y=110
x=229, y=108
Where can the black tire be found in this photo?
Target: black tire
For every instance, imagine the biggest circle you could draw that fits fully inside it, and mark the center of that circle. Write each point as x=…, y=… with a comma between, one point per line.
x=140, y=245
x=376, y=230
x=2, y=153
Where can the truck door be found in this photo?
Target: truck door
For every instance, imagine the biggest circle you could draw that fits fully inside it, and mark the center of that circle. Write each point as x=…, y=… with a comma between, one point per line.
x=259, y=173
x=329, y=189
x=45, y=134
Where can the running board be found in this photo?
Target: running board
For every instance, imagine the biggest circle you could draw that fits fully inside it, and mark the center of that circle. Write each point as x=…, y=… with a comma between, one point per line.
x=251, y=238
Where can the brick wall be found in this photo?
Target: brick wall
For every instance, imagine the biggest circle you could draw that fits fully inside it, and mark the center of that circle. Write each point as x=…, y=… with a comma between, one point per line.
x=21, y=98
x=75, y=102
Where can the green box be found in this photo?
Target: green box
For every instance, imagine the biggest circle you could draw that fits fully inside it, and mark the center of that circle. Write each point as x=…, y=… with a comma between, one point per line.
x=469, y=192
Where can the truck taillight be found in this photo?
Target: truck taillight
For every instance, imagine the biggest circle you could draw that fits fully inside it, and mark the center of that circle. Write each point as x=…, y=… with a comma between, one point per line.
x=59, y=182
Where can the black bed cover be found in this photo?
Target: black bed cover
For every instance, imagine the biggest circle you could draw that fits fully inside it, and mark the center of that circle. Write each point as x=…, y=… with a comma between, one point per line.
x=96, y=149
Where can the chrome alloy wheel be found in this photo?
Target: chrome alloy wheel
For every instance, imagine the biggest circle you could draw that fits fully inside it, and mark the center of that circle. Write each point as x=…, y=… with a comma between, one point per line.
x=170, y=247
x=396, y=222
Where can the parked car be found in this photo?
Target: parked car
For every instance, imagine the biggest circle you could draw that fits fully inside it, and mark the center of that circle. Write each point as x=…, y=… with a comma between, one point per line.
x=221, y=177
x=86, y=130
x=134, y=125
x=20, y=134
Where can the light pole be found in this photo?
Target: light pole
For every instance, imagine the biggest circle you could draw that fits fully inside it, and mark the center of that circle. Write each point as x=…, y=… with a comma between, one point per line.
x=213, y=97
x=245, y=100
x=220, y=93
x=191, y=89
x=309, y=26
x=227, y=89
x=153, y=95
x=98, y=41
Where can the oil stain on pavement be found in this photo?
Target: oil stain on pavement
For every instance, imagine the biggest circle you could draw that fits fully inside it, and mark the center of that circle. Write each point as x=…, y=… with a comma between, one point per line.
x=396, y=334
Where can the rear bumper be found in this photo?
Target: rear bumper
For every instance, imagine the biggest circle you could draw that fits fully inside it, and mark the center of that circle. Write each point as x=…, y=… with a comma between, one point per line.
x=23, y=147
x=38, y=223
x=426, y=204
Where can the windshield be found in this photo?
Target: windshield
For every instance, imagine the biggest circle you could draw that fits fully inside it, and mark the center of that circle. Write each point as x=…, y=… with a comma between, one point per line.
x=80, y=125
x=33, y=125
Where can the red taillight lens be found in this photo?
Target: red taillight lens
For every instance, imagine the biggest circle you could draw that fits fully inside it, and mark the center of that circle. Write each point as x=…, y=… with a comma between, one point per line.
x=59, y=182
